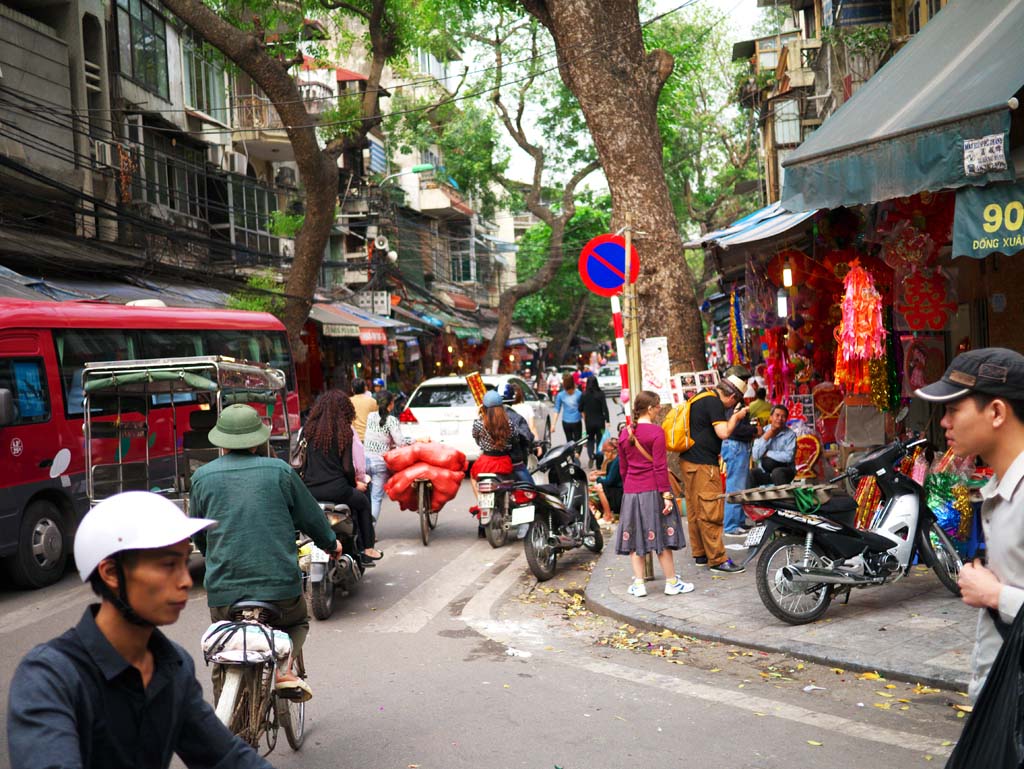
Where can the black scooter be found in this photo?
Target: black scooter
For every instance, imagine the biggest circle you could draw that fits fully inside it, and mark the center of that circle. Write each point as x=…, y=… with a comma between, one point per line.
x=560, y=518
x=811, y=550
x=322, y=575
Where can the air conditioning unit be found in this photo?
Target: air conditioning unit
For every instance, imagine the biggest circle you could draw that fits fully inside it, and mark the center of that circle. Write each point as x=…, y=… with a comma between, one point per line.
x=235, y=162
x=215, y=155
x=103, y=152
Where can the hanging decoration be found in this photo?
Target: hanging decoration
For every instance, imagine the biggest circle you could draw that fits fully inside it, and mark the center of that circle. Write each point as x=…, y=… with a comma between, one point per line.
x=868, y=497
x=776, y=357
x=926, y=300
x=736, y=341
x=860, y=336
x=883, y=372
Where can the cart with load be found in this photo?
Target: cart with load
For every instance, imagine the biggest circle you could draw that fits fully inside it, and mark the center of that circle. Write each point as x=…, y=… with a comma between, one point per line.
x=425, y=477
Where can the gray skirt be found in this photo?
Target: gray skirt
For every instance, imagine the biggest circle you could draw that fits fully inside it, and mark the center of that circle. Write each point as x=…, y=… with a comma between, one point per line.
x=642, y=527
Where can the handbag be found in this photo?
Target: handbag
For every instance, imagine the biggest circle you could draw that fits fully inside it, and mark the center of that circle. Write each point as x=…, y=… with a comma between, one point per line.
x=993, y=736
x=297, y=456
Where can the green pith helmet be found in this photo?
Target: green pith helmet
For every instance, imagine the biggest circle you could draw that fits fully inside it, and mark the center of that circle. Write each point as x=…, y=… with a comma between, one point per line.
x=239, y=427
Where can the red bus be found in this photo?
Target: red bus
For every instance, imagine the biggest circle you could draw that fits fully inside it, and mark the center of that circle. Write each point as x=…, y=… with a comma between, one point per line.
x=43, y=347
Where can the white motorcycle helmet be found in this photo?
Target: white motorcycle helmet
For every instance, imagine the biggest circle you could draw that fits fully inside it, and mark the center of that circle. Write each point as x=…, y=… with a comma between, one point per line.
x=133, y=520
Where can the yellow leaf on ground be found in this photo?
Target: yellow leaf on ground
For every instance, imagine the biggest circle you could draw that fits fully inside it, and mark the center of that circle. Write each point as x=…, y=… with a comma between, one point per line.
x=883, y=705
x=838, y=671
x=815, y=743
x=713, y=670
x=945, y=743
x=964, y=708
x=883, y=694
x=887, y=686
x=870, y=677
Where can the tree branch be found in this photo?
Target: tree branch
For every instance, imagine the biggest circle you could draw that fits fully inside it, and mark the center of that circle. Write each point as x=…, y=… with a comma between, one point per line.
x=331, y=5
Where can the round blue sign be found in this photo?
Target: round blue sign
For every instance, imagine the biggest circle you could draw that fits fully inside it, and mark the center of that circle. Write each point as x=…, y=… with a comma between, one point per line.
x=603, y=265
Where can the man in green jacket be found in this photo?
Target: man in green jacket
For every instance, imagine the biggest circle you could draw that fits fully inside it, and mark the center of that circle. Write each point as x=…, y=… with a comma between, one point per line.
x=258, y=502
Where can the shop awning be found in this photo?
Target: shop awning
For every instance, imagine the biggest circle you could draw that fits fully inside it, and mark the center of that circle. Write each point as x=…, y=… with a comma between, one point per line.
x=768, y=222
x=935, y=116
x=338, y=322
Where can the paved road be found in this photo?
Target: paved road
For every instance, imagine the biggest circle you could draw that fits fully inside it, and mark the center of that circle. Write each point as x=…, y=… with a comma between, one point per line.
x=415, y=670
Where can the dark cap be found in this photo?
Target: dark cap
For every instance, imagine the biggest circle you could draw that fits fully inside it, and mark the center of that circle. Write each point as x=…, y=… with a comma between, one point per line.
x=992, y=371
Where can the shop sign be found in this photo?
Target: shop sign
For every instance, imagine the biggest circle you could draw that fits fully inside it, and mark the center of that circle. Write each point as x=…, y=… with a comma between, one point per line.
x=984, y=155
x=989, y=220
x=372, y=336
x=340, y=329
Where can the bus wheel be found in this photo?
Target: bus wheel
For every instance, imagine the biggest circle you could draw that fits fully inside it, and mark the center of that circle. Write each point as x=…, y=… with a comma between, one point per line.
x=42, y=547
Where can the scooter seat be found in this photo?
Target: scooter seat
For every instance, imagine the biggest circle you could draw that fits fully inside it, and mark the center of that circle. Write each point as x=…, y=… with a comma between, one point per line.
x=547, y=488
x=839, y=509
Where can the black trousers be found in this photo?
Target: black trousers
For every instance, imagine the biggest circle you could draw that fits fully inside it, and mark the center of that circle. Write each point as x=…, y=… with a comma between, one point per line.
x=594, y=433
x=778, y=476
x=359, y=504
x=573, y=430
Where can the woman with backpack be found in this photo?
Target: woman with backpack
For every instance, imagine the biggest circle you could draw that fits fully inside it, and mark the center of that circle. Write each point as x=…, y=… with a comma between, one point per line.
x=648, y=519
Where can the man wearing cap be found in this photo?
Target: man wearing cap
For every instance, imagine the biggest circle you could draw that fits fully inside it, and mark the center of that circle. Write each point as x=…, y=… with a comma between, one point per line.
x=702, y=480
x=259, y=502
x=114, y=691
x=983, y=394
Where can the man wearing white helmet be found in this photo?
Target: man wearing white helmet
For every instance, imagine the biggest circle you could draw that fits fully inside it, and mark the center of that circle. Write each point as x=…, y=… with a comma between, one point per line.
x=114, y=691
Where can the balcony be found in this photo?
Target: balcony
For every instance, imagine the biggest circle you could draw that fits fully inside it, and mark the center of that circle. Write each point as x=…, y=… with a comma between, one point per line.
x=261, y=128
x=442, y=200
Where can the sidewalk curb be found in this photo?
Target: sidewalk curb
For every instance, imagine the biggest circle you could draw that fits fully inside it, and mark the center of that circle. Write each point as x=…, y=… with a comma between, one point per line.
x=601, y=600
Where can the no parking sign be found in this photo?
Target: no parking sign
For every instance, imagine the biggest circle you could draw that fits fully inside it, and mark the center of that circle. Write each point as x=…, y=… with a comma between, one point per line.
x=603, y=265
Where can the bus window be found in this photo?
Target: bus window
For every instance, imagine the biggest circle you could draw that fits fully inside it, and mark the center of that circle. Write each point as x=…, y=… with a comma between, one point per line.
x=259, y=346
x=171, y=344
x=25, y=378
x=77, y=347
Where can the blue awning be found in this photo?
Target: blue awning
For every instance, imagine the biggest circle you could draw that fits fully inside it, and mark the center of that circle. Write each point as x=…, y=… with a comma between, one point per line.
x=763, y=224
x=936, y=116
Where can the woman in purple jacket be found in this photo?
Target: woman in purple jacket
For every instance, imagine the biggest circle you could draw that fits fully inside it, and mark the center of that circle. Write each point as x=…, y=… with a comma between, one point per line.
x=649, y=520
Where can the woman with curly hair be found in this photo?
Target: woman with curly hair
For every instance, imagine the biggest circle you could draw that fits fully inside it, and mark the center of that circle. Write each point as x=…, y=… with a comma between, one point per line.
x=330, y=474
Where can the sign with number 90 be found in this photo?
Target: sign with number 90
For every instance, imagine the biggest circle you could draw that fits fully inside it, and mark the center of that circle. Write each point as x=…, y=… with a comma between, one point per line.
x=1009, y=216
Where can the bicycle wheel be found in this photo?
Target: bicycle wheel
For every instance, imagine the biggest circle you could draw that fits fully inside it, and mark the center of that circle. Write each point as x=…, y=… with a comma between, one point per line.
x=246, y=714
x=291, y=715
x=423, y=506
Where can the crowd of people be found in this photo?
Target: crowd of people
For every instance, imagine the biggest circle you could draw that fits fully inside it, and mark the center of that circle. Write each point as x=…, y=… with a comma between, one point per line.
x=115, y=691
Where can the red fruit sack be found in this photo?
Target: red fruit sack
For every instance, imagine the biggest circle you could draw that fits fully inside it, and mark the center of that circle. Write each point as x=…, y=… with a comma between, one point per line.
x=440, y=455
x=401, y=458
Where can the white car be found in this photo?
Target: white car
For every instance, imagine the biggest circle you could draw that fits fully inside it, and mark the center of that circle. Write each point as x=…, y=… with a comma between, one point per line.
x=609, y=379
x=443, y=409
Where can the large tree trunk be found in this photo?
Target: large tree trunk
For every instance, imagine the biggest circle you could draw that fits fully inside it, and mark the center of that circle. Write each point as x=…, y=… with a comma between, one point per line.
x=617, y=85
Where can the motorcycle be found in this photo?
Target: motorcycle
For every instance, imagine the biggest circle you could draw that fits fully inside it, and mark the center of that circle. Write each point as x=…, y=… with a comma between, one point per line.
x=493, y=500
x=558, y=515
x=322, y=575
x=810, y=550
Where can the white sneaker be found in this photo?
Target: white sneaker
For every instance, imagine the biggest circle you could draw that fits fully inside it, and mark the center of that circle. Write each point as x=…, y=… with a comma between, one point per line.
x=677, y=586
x=638, y=589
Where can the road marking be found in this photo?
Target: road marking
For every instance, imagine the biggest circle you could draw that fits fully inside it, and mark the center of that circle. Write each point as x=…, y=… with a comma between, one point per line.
x=420, y=605
x=51, y=604
x=478, y=614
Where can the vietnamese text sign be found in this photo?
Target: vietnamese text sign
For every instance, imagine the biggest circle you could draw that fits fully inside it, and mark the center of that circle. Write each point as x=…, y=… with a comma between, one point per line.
x=989, y=220
x=654, y=364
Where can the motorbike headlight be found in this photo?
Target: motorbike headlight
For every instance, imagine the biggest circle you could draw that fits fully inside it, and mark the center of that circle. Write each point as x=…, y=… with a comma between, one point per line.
x=334, y=519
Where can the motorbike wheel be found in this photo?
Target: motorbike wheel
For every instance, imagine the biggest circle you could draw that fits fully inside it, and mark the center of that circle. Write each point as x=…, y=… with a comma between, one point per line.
x=593, y=540
x=321, y=597
x=497, y=534
x=792, y=603
x=291, y=715
x=540, y=555
x=939, y=552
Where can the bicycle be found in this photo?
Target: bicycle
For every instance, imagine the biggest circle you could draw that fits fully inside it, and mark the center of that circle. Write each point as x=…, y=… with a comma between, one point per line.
x=424, y=505
x=250, y=650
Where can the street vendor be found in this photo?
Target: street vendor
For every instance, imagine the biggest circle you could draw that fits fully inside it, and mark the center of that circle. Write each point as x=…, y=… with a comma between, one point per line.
x=774, y=451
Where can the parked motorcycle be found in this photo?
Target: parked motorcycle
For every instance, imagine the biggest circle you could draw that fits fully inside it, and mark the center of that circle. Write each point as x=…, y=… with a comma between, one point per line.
x=322, y=575
x=811, y=551
x=557, y=512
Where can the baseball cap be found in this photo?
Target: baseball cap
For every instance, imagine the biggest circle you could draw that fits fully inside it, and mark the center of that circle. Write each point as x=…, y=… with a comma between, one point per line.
x=994, y=371
x=492, y=398
x=378, y=382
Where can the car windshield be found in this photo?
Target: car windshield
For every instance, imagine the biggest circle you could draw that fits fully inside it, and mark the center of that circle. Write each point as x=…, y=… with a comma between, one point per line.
x=442, y=395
